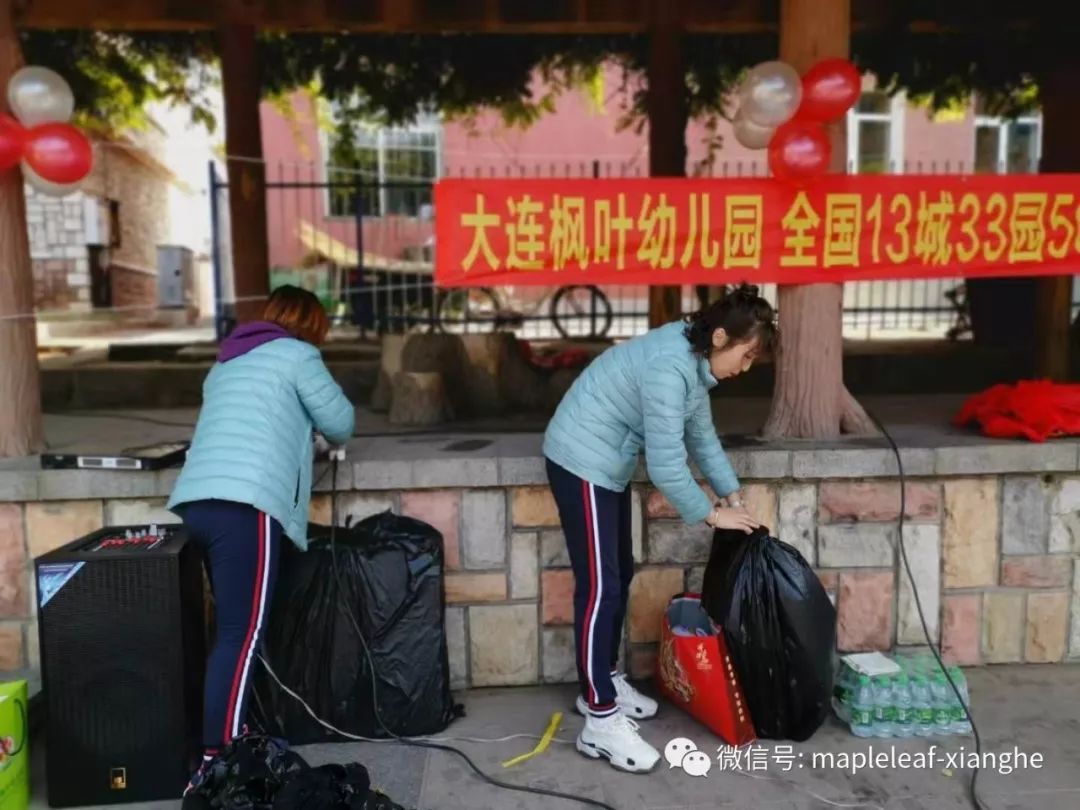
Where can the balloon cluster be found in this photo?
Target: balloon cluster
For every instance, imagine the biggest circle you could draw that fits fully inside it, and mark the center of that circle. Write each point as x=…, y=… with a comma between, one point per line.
x=55, y=156
x=786, y=114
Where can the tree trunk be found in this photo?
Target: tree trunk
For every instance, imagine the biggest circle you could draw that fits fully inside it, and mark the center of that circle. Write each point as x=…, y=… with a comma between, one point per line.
x=419, y=398
x=247, y=173
x=21, y=431
x=1053, y=294
x=667, y=111
x=809, y=400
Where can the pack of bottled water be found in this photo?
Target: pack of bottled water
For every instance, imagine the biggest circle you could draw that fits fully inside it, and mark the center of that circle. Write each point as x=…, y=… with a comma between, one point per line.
x=906, y=696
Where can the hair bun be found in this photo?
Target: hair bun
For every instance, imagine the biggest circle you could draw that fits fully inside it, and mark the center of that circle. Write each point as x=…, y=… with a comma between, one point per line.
x=745, y=291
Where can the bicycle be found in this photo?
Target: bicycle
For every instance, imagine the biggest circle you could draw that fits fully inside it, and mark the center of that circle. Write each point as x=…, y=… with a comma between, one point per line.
x=576, y=311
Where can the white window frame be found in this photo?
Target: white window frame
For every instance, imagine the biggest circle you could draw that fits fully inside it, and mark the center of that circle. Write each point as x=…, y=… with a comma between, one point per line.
x=894, y=118
x=426, y=124
x=1002, y=125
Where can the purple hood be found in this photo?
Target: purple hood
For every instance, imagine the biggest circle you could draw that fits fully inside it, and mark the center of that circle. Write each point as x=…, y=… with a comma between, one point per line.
x=249, y=336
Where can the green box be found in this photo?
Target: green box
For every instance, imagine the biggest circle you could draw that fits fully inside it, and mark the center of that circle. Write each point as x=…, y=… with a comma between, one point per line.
x=14, y=747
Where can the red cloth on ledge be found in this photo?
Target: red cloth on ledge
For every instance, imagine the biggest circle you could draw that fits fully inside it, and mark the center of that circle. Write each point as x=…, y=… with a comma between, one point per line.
x=1033, y=409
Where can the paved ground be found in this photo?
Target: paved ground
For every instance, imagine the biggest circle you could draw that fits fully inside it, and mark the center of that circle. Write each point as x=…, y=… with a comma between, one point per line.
x=1032, y=709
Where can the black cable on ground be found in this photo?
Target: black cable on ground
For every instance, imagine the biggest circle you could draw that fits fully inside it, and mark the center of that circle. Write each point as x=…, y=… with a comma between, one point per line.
x=973, y=791
x=354, y=621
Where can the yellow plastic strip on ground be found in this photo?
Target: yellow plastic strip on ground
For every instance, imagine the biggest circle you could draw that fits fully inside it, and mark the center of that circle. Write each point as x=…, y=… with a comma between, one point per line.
x=541, y=746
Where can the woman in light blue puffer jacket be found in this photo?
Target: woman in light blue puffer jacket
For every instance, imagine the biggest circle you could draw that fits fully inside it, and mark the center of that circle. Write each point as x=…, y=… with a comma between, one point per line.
x=246, y=483
x=649, y=394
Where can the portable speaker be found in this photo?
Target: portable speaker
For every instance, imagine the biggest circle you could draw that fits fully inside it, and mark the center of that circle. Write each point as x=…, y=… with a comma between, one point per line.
x=121, y=618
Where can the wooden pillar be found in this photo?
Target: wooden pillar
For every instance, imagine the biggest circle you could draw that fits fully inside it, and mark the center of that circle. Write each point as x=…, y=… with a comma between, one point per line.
x=667, y=112
x=242, y=91
x=1053, y=294
x=21, y=431
x=809, y=398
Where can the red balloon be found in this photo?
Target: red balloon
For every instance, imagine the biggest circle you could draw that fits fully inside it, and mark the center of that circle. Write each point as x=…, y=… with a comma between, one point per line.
x=59, y=153
x=799, y=151
x=830, y=89
x=12, y=142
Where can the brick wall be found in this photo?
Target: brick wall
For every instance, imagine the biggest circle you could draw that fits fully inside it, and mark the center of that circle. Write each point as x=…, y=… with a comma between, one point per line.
x=132, y=288
x=996, y=560
x=59, y=232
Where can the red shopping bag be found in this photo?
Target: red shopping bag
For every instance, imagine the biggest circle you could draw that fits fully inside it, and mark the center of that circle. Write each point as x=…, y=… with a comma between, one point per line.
x=696, y=673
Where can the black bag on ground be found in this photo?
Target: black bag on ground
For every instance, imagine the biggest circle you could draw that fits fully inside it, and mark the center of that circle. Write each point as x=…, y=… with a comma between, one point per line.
x=391, y=578
x=780, y=629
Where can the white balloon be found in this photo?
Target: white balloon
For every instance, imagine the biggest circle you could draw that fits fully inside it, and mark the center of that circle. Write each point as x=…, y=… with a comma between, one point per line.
x=39, y=183
x=749, y=134
x=770, y=93
x=38, y=95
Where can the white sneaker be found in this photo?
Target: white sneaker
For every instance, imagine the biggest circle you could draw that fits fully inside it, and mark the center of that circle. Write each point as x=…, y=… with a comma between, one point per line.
x=616, y=737
x=633, y=704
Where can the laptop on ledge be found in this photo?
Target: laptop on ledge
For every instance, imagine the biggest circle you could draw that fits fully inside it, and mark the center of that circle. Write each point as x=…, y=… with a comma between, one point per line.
x=147, y=457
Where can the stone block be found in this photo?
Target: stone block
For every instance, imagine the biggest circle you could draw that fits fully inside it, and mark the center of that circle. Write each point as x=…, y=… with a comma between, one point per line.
x=830, y=580
x=1044, y=571
x=1025, y=515
x=961, y=630
x=970, y=538
x=354, y=507
x=657, y=507
x=138, y=512
x=12, y=539
x=1065, y=518
x=558, y=596
x=14, y=603
x=798, y=524
x=695, y=579
x=456, y=647
x=1047, y=627
x=858, y=501
x=464, y=587
x=524, y=471
x=18, y=485
x=534, y=507
x=643, y=660
x=678, y=542
x=859, y=462
x=553, y=552
x=650, y=592
x=1003, y=627
x=33, y=647
x=524, y=559
x=483, y=528
x=381, y=473
x=760, y=502
x=448, y=473
x=865, y=611
x=12, y=654
x=1074, y=613
x=856, y=545
x=637, y=526
x=440, y=508
x=51, y=524
x=558, y=660
x=999, y=459
x=73, y=485
x=922, y=542
x=503, y=645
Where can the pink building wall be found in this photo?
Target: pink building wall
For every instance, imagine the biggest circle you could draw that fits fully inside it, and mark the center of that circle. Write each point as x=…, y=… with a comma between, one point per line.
x=564, y=143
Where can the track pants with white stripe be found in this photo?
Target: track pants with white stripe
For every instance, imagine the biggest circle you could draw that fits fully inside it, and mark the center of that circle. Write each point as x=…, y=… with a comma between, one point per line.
x=597, y=526
x=241, y=545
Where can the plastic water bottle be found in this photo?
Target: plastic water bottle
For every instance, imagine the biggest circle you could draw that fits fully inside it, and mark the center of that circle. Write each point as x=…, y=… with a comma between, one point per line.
x=939, y=693
x=862, y=708
x=884, y=711
x=924, y=711
x=960, y=722
x=904, y=724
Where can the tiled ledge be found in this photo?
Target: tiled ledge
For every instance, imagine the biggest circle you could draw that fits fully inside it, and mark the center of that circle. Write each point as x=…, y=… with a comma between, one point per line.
x=496, y=460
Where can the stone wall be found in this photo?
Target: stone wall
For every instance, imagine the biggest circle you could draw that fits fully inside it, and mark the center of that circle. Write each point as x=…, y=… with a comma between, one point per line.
x=56, y=227
x=995, y=557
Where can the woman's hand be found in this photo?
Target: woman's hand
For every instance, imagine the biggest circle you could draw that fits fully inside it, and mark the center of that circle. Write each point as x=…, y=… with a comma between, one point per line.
x=736, y=519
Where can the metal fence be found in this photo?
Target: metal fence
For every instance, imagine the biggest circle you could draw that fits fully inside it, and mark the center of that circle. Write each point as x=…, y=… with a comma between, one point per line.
x=364, y=242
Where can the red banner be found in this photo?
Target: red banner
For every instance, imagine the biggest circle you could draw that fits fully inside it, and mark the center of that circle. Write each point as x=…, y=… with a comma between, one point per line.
x=555, y=232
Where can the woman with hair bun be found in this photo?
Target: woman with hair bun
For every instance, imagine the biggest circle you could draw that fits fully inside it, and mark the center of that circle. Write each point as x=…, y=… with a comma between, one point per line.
x=648, y=394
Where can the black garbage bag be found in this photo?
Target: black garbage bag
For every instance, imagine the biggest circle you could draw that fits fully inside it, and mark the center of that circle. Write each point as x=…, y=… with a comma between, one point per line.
x=391, y=579
x=780, y=629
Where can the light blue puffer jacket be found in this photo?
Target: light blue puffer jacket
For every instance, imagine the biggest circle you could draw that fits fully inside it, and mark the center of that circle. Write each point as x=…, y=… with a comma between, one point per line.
x=649, y=393
x=253, y=443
